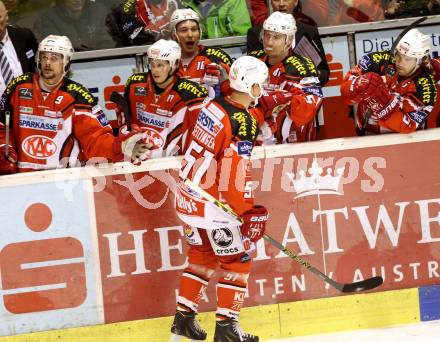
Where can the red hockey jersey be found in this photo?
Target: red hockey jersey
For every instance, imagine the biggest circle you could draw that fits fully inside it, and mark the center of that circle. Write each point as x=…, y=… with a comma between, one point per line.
x=57, y=131
x=416, y=95
x=298, y=75
x=161, y=113
x=218, y=156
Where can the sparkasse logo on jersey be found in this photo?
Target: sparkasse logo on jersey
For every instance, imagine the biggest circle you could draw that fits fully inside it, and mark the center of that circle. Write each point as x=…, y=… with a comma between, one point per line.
x=39, y=147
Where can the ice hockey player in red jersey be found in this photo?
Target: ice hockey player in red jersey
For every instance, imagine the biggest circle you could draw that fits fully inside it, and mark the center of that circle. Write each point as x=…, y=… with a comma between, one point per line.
x=159, y=100
x=208, y=66
x=293, y=80
x=55, y=122
x=220, y=147
x=393, y=93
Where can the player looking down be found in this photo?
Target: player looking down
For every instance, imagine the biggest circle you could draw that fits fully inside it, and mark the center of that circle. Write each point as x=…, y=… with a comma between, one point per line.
x=224, y=134
x=394, y=93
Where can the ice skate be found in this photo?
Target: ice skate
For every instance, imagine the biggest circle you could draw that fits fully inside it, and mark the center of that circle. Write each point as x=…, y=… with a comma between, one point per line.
x=229, y=330
x=185, y=324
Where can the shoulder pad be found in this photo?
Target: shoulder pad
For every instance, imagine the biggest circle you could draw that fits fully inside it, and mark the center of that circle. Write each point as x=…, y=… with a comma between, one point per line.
x=81, y=94
x=243, y=124
x=189, y=90
x=257, y=53
x=25, y=78
x=128, y=6
x=136, y=78
x=374, y=60
x=299, y=66
x=217, y=55
x=425, y=86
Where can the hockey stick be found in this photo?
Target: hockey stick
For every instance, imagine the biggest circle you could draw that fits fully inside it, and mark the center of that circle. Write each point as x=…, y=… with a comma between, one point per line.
x=122, y=102
x=363, y=285
x=387, y=61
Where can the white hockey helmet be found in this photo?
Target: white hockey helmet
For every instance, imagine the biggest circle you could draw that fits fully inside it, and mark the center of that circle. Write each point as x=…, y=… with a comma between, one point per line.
x=247, y=71
x=183, y=14
x=56, y=44
x=415, y=44
x=283, y=23
x=166, y=50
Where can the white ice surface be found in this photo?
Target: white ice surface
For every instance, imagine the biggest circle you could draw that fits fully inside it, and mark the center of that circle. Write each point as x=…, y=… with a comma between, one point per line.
x=418, y=332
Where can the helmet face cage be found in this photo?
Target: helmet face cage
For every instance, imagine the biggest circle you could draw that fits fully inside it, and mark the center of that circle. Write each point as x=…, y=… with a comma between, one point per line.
x=283, y=23
x=165, y=50
x=415, y=44
x=181, y=15
x=56, y=44
x=247, y=71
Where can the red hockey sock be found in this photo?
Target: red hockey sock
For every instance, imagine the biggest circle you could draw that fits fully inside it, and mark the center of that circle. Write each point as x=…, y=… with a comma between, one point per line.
x=192, y=287
x=230, y=297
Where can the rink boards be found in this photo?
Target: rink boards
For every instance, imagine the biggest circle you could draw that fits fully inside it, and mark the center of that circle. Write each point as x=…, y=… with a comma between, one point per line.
x=310, y=317
x=92, y=246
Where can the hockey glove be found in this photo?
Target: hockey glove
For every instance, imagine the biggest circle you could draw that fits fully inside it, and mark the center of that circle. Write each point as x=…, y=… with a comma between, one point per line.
x=361, y=86
x=132, y=146
x=273, y=102
x=380, y=100
x=212, y=74
x=254, y=223
x=8, y=164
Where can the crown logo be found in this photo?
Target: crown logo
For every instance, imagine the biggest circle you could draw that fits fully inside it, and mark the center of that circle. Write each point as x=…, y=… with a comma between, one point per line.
x=315, y=183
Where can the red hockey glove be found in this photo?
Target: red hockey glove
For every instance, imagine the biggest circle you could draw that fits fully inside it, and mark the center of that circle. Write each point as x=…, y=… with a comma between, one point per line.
x=254, y=223
x=380, y=101
x=273, y=102
x=362, y=85
x=132, y=146
x=212, y=74
x=8, y=164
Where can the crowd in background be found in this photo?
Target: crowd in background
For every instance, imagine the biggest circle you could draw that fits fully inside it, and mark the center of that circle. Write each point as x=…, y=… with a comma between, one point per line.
x=99, y=24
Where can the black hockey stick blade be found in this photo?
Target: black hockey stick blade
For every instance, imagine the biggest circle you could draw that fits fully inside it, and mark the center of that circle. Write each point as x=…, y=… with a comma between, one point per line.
x=121, y=102
x=363, y=285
